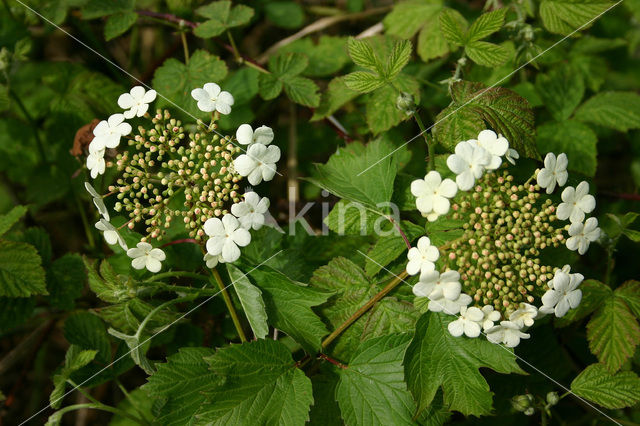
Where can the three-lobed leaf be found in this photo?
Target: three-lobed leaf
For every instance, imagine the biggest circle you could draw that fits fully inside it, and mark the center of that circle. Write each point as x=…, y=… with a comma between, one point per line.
x=372, y=389
x=285, y=69
x=221, y=17
x=436, y=359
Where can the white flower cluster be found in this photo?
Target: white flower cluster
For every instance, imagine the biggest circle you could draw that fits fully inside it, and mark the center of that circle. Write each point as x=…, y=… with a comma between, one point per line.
x=226, y=235
x=470, y=161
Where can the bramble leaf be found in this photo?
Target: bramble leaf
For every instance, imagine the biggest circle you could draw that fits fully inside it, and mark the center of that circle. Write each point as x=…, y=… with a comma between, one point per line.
x=285, y=69
x=486, y=54
x=613, y=333
x=561, y=137
x=561, y=90
x=473, y=105
x=11, y=218
x=453, y=26
x=119, y=23
x=435, y=358
x=485, y=25
x=336, y=95
x=611, y=391
x=617, y=110
x=565, y=16
x=372, y=390
x=362, y=54
x=21, y=273
x=75, y=359
x=221, y=18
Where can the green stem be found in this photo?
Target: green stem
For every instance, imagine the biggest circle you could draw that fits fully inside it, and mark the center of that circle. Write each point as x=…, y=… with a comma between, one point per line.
x=100, y=406
x=185, y=47
x=232, y=42
x=128, y=396
x=172, y=274
x=33, y=126
x=430, y=148
x=159, y=286
x=353, y=318
x=255, y=66
x=85, y=221
x=229, y=303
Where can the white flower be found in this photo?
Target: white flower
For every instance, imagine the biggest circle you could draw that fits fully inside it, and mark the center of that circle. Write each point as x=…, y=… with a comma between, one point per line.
x=512, y=155
x=251, y=211
x=211, y=98
x=422, y=257
x=468, y=323
x=576, y=202
x=436, y=286
x=507, y=333
x=495, y=145
x=554, y=171
x=95, y=162
x=468, y=163
x=432, y=194
x=226, y=235
x=450, y=307
x=145, y=256
x=136, y=102
x=490, y=316
x=107, y=133
x=566, y=269
x=564, y=295
x=524, y=315
x=258, y=163
x=581, y=234
x=111, y=234
x=212, y=261
x=97, y=201
x=247, y=136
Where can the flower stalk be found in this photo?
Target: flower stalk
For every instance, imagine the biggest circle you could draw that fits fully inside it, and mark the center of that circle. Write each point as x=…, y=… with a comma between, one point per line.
x=230, y=307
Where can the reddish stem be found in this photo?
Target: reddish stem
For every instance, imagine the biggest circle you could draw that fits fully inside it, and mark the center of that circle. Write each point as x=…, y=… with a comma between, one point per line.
x=332, y=361
x=634, y=197
x=184, y=240
x=404, y=236
x=167, y=17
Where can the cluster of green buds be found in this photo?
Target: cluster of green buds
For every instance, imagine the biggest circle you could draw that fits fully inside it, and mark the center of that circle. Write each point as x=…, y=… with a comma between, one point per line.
x=494, y=272
x=170, y=174
x=192, y=174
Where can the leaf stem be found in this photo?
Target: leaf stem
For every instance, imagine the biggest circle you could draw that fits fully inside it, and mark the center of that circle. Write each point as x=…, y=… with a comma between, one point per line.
x=185, y=47
x=229, y=303
x=430, y=148
x=353, y=318
x=100, y=406
x=402, y=234
x=172, y=274
x=232, y=42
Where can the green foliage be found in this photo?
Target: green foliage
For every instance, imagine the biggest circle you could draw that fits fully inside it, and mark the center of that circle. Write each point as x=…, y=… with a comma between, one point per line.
x=561, y=91
x=221, y=17
x=285, y=69
x=11, y=218
x=436, y=359
x=119, y=23
x=261, y=385
x=285, y=14
x=560, y=137
x=597, y=384
x=66, y=278
x=475, y=106
x=371, y=390
x=75, y=359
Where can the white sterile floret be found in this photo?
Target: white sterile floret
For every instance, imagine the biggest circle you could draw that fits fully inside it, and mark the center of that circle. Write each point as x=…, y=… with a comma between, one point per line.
x=136, y=102
x=524, y=315
x=512, y=155
x=226, y=235
x=564, y=295
x=422, y=258
x=507, y=333
x=251, y=212
x=490, y=316
x=468, y=323
x=582, y=234
x=211, y=98
x=566, y=269
x=111, y=234
x=212, y=261
x=432, y=194
x=108, y=132
x=145, y=256
x=436, y=286
x=97, y=201
x=450, y=307
x=258, y=163
x=495, y=145
x=95, y=162
x=576, y=202
x=554, y=172
x=247, y=136
x=468, y=163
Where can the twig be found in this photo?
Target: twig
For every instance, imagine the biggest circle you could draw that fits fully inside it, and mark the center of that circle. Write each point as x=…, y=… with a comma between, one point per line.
x=332, y=361
x=230, y=307
x=319, y=25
